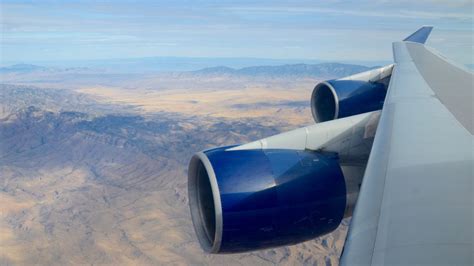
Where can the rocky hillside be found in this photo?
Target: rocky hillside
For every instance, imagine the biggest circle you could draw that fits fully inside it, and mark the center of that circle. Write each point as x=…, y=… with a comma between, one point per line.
x=81, y=185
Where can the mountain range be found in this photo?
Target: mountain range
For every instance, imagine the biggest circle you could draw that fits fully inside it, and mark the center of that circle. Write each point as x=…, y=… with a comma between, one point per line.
x=89, y=183
x=293, y=70
x=28, y=72
x=93, y=164
x=30, y=68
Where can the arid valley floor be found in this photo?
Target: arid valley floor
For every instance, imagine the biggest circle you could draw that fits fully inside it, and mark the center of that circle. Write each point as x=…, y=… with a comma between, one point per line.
x=93, y=167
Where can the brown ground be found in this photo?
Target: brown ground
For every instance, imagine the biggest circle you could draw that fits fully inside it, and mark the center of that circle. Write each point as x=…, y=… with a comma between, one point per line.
x=100, y=188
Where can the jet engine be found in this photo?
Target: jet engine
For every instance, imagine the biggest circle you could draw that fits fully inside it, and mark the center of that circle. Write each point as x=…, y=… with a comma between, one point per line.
x=243, y=200
x=356, y=94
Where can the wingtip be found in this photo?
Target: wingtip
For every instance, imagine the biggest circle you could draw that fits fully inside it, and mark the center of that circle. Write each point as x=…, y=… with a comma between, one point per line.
x=421, y=35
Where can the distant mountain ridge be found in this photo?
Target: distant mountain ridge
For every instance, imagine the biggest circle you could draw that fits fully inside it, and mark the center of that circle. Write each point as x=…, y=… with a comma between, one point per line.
x=23, y=68
x=37, y=73
x=289, y=70
x=30, y=68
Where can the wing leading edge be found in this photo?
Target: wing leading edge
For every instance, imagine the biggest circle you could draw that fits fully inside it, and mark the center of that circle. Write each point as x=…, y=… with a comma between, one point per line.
x=416, y=201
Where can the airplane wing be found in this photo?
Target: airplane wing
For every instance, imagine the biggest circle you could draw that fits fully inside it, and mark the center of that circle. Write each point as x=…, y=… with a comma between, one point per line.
x=416, y=201
x=392, y=147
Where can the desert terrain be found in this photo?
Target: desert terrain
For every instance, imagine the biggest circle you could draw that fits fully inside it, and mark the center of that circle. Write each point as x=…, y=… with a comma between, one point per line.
x=94, y=170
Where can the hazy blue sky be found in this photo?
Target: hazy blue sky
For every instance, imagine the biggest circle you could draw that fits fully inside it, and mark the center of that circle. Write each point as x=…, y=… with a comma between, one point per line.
x=326, y=30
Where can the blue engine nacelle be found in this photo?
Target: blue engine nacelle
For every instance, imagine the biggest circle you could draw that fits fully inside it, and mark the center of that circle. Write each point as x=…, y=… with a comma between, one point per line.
x=334, y=99
x=246, y=200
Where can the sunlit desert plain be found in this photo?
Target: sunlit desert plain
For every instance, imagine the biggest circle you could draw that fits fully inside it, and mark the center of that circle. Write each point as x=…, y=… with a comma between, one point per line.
x=93, y=167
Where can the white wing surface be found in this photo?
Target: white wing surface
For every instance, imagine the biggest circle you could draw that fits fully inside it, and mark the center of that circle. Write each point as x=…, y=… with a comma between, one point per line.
x=416, y=205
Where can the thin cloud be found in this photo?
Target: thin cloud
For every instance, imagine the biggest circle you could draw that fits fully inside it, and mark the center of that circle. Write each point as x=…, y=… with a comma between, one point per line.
x=393, y=14
x=261, y=28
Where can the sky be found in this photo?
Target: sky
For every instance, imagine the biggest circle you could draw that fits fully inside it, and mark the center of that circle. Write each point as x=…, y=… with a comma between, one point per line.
x=324, y=30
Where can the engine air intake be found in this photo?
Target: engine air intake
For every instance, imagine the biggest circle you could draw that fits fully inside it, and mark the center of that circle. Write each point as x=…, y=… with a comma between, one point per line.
x=253, y=199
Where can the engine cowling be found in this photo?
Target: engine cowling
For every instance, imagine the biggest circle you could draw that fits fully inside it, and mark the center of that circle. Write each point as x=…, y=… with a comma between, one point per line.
x=253, y=199
x=357, y=94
